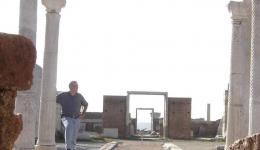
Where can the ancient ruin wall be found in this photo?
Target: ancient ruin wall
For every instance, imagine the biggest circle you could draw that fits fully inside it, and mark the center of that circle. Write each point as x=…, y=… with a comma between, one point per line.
x=179, y=118
x=114, y=113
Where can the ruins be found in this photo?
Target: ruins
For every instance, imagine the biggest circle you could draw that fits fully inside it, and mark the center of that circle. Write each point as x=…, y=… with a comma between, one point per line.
x=243, y=104
x=176, y=120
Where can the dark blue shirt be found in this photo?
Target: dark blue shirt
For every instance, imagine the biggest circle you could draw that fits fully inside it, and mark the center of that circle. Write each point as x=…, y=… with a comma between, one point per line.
x=70, y=105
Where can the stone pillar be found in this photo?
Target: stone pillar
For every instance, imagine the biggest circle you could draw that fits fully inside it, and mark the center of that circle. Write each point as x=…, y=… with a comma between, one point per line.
x=237, y=119
x=28, y=19
x=26, y=101
x=46, y=131
x=254, y=101
x=28, y=104
x=208, y=112
x=166, y=117
x=224, y=128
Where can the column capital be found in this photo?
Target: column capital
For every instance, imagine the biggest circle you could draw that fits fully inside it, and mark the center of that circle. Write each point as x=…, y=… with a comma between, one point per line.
x=54, y=5
x=237, y=10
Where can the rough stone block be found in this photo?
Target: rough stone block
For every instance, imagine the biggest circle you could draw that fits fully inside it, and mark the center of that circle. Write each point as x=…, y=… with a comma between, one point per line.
x=10, y=124
x=247, y=143
x=17, y=60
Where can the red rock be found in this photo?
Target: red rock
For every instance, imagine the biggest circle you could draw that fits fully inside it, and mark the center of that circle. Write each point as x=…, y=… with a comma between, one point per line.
x=17, y=60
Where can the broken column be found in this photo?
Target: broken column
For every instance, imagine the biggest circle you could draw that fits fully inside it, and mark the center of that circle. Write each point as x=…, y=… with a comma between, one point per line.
x=224, y=128
x=27, y=102
x=17, y=60
x=208, y=112
x=237, y=126
x=46, y=131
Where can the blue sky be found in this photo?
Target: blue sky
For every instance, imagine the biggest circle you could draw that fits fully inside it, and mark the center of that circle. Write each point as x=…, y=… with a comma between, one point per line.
x=114, y=46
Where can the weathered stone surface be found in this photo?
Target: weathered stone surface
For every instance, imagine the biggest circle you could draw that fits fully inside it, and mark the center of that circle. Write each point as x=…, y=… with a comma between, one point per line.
x=10, y=124
x=17, y=60
x=114, y=110
x=248, y=143
x=179, y=118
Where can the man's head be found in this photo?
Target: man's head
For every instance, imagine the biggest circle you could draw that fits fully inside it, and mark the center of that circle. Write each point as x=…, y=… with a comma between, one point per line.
x=73, y=87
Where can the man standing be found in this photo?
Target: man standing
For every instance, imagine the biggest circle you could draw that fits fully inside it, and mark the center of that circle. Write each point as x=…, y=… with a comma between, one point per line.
x=71, y=103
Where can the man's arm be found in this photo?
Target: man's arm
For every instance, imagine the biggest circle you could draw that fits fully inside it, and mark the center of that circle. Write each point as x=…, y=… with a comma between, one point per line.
x=84, y=104
x=84, y=109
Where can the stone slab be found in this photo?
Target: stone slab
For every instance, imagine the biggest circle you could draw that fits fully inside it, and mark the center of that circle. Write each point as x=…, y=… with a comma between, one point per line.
x=110, y=132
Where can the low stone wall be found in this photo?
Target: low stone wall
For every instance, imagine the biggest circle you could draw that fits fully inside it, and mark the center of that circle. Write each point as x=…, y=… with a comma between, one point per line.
x=248, y=143
x=204, y=128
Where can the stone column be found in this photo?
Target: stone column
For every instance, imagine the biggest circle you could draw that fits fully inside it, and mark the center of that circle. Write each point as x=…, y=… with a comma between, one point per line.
x=166, y=117
x=254, y=102
x=26, y=101
x=28, y=19
x=224, y=128
x=46, y=131
x=237, y=119
x=208, y=112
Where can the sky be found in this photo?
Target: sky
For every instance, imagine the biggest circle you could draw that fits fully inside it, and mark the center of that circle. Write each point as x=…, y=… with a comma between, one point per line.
x=114, y=46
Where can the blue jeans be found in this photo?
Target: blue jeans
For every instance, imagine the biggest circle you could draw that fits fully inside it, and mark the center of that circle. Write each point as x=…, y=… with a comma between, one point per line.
x=71, y=126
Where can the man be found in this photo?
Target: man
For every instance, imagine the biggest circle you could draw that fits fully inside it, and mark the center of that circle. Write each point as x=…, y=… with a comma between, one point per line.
x=71, y=103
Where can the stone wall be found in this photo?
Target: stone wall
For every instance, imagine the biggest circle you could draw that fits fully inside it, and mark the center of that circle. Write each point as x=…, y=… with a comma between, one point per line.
x=179, y=118
x=248, y=143
x=114, y=113
x=204, y=128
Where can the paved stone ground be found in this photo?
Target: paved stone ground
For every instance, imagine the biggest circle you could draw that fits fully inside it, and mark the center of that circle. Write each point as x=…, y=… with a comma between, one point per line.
x=197, y=145
x=83, y=146
x=157, y=145
x=148, y=145
x=139, y=145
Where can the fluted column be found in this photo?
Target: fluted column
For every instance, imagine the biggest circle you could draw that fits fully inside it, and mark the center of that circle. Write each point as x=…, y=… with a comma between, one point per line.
x=224, y=127
x=254, y=102
x=26, y=100
x=46, y=131
x=237, y=126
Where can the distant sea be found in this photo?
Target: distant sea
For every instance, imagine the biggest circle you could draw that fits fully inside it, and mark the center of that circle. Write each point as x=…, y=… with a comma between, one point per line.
x=144, y=125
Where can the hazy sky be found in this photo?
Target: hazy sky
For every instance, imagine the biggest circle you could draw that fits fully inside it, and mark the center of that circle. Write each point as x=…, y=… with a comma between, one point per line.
x=113, y=46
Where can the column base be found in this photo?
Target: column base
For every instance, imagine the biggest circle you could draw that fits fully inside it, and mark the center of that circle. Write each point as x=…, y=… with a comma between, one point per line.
x=45, y=147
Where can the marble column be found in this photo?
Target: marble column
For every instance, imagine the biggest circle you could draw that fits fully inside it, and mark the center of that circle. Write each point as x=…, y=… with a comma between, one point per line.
x=26, y=101
x=46, y=131
x=224, y=128
x=254, y=101
x=208, y=112
x=237, y=119
x=28, y=19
